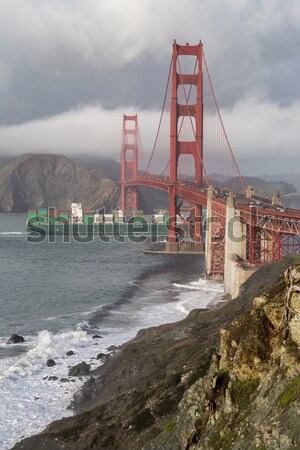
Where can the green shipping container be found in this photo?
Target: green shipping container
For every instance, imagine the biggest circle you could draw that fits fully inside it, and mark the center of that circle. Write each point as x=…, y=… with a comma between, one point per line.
x=138, y=219
x=53, y=219
x=32, y=219
x=41, y=219
x=64, y=218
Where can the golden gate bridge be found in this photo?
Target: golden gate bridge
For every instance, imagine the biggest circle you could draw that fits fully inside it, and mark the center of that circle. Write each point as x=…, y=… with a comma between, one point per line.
x=192, y=160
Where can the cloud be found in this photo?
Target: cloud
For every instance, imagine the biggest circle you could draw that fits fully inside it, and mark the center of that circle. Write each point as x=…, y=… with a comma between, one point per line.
x=58, y=54
x=263, y=134
x=247, y=41
x=86, y=130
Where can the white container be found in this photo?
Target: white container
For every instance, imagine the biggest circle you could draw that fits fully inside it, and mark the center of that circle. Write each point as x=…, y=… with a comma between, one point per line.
x=76, y=211
x=119, y=219
x=108, y=218
x=158, y=218
x=98, y=218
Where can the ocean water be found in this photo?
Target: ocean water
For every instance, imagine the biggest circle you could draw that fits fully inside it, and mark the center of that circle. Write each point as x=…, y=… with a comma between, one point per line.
x=60, y=295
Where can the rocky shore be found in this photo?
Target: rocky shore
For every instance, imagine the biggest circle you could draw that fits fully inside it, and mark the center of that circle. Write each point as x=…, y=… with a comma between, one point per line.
x=227, y=378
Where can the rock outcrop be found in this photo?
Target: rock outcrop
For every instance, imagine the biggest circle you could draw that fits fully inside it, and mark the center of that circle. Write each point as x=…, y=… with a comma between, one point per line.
x=226, y=379
x=15, y=339
x=34, y=181
x=250, y=398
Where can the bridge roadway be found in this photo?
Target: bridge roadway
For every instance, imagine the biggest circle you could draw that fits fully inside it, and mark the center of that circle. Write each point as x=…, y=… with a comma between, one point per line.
x=259, y=213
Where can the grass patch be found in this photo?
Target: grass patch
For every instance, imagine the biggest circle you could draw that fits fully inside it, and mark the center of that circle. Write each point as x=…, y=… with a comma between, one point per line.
x=290, y=394
x=291, y=346
x=242, y=392
x=227, y=440
x=170, y=427
x=72, y=433
x=224, y=442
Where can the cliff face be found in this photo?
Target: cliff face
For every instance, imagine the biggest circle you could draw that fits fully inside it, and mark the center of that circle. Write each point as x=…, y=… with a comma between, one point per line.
x=250, y=398
x=189, y=386
x=33, y=181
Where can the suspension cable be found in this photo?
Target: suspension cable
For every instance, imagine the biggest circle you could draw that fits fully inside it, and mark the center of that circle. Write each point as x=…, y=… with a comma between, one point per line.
x=222, y=124
x=160, y=120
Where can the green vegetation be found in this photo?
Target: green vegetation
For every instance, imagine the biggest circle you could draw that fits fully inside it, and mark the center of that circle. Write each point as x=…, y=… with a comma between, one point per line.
x=227, y=440
x=170, y=427
x=290, y=394
x=291, y=346
x=222, y=371
x=261, y=447
x=71, y=433
x=221, y=439
x=242, y=392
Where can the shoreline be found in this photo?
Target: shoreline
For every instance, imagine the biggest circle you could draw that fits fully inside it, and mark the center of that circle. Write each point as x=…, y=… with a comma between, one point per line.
x=92, y=347
x=144, y=382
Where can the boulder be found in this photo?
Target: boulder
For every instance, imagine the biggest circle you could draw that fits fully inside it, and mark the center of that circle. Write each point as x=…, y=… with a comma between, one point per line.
x=51, y=363
x=15, y=339
x=53, y=378
x=97, y=336
x=80, y=369
x=70, y=353
x=103, y=357
x=113, y=348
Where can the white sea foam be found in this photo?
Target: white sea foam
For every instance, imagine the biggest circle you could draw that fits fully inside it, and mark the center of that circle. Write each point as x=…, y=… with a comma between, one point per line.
x=13, y=233
x=198, y=295
x=29, y=401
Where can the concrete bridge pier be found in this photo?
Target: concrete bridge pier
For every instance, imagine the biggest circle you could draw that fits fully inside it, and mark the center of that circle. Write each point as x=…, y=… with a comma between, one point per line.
x=209, y=237
x=235, y=249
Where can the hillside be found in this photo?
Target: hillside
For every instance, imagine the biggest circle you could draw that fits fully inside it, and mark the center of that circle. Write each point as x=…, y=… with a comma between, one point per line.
x=37, y=180
x=109, y=166
x=291, y=178
x=205, y=383
x=261, y=187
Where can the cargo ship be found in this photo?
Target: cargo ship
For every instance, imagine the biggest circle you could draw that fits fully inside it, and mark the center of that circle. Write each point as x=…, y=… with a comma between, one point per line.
x=81, y=222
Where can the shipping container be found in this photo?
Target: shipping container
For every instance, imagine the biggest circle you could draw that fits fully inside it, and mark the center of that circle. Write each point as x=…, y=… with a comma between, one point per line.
x=158, y=218
x=108, y=218
x=138, y=212
x=139, y=219
x=98, y=218
x=119, y=219
x=53, y=219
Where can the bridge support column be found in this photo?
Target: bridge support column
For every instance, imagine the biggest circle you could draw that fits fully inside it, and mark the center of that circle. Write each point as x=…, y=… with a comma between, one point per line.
x=198, y=236
x=208, y=233
x=235, y=268
x=214, y=241
x=172, y=244
x=276, y=199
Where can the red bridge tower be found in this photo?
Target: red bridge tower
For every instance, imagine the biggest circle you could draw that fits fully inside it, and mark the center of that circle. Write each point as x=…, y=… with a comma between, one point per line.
x=194, y=147
x=130, y=140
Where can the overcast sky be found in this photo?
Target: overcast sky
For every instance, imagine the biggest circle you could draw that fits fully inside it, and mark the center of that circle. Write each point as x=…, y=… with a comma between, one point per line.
x=69, y=69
